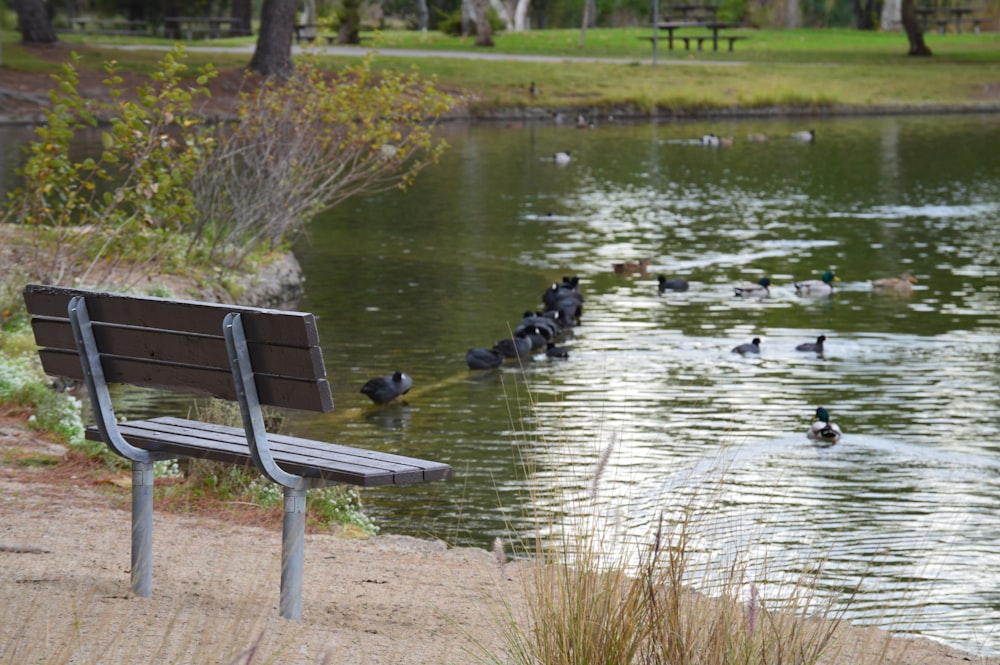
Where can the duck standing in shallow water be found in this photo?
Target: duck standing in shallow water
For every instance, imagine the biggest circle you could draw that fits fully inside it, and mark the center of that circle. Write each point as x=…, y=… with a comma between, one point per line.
x=815, y=347
x=761, y=289
x=479, y=357
x=751, y=348
x=902, y=285
x=822, y=431
x=387, y=388
x=672, y=284
x=817, y=287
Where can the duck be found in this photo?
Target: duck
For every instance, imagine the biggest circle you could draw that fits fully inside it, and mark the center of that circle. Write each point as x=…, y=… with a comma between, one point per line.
x=631, y=267
x=533, y=89
x=806, y=136
x=518, y=346
x=752, y=347
x=554, y=351
x=757, y=138
x=479, y=357
x=822, y=431
x=902, y=285
x=817, y=287
x=672, y=284
x=710, y=140
x=815, y=347
x=386, y=388
x=562, y=158
x=761, y=289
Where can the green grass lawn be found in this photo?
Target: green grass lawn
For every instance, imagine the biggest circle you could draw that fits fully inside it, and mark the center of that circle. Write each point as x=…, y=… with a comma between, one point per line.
x=804, y=69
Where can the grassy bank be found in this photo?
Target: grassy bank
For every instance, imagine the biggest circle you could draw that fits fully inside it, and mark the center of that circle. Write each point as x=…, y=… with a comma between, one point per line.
x=809, y=70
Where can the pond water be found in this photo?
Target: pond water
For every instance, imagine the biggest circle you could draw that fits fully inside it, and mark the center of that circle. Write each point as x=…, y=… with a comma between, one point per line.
x=904, y=512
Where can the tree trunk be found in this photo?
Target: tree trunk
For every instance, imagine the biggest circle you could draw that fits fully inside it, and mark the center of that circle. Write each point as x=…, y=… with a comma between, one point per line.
x=864, y=14
x=484, y=31
x=520, y=14
x=913, y=30
x=350, y=22
x=241, y=14
x=34, y=22
x=586, y=22
x=469, y=15
x=423, y=15
x=171, y=29
x=273, y=55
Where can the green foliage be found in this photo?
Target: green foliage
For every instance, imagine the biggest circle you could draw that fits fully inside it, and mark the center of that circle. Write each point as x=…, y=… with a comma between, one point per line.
x=306, y=144
x=451, y=23
x=23, y=383
x=132, y=200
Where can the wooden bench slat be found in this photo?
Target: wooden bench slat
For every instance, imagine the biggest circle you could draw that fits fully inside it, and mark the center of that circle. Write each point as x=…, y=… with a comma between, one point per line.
x=261, y=325
x=183, y=348
x=272, y=390
x=332, y=462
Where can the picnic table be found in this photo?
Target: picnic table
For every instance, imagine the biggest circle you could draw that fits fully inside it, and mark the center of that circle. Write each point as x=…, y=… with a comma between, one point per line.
x=714, y=27
x=203, y=26
x=942, y=16
x=95, y=26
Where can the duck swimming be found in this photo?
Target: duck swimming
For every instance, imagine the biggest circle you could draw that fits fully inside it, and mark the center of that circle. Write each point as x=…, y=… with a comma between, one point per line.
x=672, y=284
x=902, y=285
x=807, y=136
x=817, y=287
x=822, y=431
x=815, y=347
x=761, y=289
x=752, y=347
x=561, y=158
x=631, y=267
x=387, y=388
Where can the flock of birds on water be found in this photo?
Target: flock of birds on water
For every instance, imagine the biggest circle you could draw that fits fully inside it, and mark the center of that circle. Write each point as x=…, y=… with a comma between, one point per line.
x=539, y=332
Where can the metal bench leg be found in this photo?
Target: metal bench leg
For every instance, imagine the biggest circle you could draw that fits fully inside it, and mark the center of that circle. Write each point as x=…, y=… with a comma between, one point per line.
x=142, y=529
x=293, y=534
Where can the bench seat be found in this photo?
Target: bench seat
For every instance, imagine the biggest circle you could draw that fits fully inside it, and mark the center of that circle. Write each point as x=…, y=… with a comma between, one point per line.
x=313, y=459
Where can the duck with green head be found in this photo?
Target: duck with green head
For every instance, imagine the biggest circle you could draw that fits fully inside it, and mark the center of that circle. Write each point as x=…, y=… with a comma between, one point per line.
x=817, y=287
x=822, y=431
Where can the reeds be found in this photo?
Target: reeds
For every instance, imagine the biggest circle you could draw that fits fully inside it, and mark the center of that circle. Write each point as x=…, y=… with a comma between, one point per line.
x=590, y=596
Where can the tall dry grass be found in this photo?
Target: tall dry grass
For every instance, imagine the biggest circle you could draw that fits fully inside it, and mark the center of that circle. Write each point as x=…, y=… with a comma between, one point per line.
x=593, y=595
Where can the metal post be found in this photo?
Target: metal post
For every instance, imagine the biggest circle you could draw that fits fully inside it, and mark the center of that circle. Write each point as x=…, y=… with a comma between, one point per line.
x=293, y=533
x=142, y=529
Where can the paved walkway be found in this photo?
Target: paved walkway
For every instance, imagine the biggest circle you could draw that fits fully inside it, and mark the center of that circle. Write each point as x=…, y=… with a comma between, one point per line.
x=361, y=51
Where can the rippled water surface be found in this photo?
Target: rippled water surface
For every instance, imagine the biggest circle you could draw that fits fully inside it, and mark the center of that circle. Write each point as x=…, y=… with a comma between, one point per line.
x=906, y=507
x=908, y=503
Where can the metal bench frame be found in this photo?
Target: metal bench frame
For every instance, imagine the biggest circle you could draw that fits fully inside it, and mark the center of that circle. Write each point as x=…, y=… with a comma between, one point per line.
x=390, y=468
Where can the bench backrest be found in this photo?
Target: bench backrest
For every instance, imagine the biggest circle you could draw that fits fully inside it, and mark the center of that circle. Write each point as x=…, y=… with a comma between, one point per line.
x=179, y=345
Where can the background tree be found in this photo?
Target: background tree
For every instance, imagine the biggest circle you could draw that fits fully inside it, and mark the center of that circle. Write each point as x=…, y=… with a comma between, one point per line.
x=866, y=13
x=484, y=31
x=914, y=32
x=241, y=13
x=35, y=21
x=349, y=16
x=273, y=54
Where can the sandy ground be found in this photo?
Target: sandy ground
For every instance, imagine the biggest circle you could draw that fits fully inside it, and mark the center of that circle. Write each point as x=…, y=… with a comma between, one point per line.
x=64, y=558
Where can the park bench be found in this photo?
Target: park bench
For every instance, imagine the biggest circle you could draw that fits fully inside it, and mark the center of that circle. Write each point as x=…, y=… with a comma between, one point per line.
x=250, y=355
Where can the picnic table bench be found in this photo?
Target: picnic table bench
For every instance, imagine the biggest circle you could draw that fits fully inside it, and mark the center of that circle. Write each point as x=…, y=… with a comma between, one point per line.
x=250, y=355
x=714, y=27
x=93, y=26
x=192, y=27
x=943, y=16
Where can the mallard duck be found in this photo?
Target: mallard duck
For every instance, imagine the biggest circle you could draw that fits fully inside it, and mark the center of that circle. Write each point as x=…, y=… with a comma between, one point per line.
x=815, y=347
x=757, y=138
x=387, y=388
x=752, y=347
x=631, y=267
x=817, y=287
x=761, y=289
x=902, y=285
x=562, y=158
x=710, y=140
x=822, y=431
x=672, y=284
x=807, y=136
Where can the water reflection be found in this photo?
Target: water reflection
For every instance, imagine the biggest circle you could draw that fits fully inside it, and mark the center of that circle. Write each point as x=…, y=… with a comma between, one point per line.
x=905, y=503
